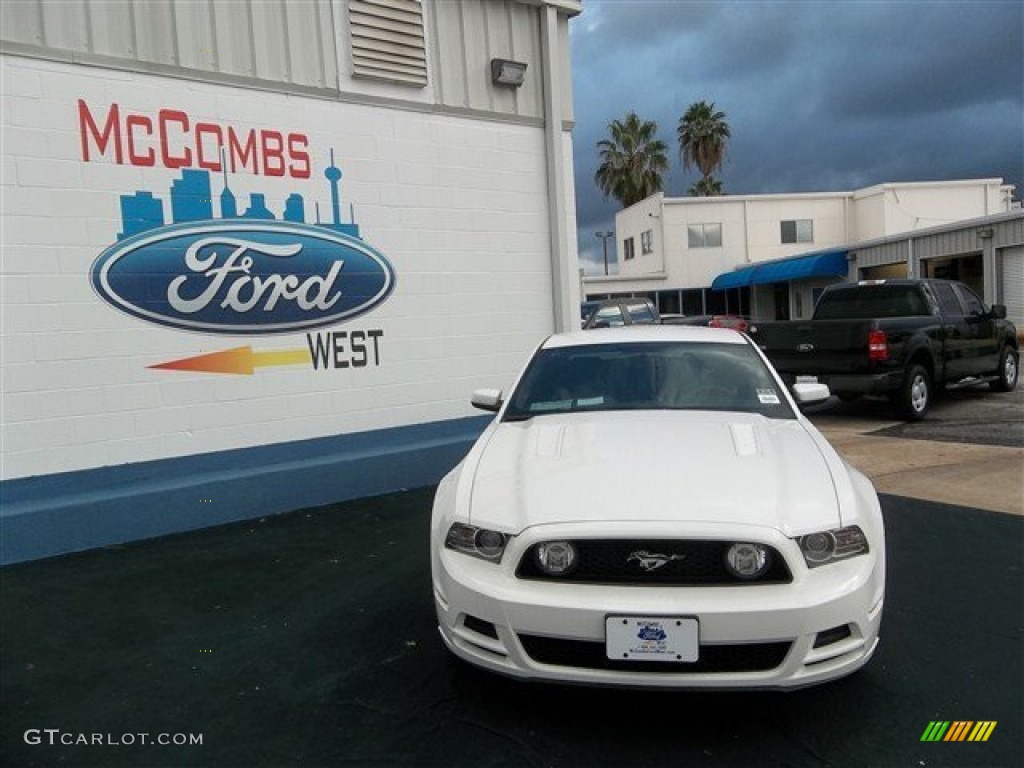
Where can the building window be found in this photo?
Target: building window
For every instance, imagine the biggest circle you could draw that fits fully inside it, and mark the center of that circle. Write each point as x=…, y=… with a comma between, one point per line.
x=387, y=41
x=647, y=241
x=798, y=231
x=628, y=249
x=704, y=235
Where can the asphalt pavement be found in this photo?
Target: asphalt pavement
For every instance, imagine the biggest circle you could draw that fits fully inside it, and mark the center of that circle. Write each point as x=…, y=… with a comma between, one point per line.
x=309, y=639
x=968, y=451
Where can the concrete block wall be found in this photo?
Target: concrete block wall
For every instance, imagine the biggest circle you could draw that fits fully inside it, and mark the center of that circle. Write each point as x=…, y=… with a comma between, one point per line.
x=457, y=205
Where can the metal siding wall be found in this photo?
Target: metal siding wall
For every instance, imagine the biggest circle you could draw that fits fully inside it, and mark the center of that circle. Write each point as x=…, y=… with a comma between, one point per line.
x=1011, y=283
x=233, y=41
x=468, y=34
x=270, y=41
x=156, y=32
x=273, y=40
x=22, y=22
x=1010, y=233
x=890, y=253
x=305, y=57
x=66, y=25
x=277, y=41
x=526, y=46
x=955, y=243
x=328, y=49
x=475, y=59
x=113, y=29
x=197, y=33
x=498, y=44
x=449, y=70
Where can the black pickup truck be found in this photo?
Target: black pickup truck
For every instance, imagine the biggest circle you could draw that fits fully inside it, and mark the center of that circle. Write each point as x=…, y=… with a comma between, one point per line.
x=902, y=339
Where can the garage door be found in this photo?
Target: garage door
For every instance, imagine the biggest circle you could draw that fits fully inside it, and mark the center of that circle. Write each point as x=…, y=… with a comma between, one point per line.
x=1012, y=282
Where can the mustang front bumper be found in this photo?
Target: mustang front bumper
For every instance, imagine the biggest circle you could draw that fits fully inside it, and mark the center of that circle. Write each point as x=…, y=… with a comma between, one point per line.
x=822, y=625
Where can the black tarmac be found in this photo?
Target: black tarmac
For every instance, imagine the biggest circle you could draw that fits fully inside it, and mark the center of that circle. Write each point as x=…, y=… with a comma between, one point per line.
x=309, y=639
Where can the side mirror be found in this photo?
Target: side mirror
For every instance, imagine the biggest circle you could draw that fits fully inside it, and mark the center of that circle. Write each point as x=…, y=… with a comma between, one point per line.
x=806, y=393
x=487, y=400
x=998, y=311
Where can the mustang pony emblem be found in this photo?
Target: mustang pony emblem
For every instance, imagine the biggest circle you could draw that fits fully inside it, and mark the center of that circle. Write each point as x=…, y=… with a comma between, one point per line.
x=652, y=561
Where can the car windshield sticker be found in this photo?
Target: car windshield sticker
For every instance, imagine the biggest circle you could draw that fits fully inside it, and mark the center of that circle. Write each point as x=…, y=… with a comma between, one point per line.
x=767, y=397
x=552, y=405
x=583, y=402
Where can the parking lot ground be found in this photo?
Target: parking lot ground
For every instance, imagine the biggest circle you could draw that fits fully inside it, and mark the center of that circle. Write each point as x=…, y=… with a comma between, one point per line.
x=969, y=451
x=309, y=639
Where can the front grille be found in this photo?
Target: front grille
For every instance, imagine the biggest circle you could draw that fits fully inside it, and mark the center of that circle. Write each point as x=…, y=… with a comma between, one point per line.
x=618, y=561
x=586, y=654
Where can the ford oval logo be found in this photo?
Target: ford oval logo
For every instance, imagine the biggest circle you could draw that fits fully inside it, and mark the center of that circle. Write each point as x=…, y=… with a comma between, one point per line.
x=241, y=277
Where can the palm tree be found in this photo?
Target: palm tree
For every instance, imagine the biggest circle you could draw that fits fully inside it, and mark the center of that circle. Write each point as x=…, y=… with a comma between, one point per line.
x=632, y=160
x=703, y=136
x=708, y=186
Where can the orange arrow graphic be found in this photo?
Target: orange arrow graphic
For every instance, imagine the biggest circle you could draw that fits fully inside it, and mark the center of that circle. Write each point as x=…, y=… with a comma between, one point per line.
x=238, y=360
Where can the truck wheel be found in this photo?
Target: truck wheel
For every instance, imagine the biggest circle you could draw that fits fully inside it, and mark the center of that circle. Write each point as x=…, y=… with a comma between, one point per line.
x=914, y=396
x=1009, y=367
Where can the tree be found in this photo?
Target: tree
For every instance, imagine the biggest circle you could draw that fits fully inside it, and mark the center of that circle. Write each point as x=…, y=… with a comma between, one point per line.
x=708, y=186
x=633, y=160
x=703, y=136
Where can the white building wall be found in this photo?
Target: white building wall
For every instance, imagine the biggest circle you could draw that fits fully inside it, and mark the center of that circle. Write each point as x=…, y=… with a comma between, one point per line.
x=889, y=209
x=633, y=222
x=699, y=266
x=764, y=219
x=458, y=205
x=751, y=227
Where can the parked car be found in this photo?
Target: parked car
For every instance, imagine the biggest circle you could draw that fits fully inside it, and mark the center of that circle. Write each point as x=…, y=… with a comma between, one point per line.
x=612, y=313
x=735, y=322
x=650, y=508
x=902, y=339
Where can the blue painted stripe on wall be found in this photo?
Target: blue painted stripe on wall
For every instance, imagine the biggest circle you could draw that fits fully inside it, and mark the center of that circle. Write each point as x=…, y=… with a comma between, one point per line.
x=73, y=511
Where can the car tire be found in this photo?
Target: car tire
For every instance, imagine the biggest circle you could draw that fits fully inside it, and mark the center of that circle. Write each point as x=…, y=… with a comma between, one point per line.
x=1009, y=371
x=914, y=397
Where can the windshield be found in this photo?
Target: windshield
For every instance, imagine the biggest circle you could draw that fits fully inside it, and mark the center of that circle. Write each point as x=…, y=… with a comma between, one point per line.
x=647, y=376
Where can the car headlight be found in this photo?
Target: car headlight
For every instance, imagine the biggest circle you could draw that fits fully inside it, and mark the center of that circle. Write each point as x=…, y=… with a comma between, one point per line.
x=478, y=542
x=828, y=546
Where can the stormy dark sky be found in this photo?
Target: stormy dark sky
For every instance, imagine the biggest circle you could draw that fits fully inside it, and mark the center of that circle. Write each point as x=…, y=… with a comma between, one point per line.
x=820, y=96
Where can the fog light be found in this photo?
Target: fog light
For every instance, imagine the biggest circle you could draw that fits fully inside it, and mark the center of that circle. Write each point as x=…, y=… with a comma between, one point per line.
x=746, y=560
x=555, y=558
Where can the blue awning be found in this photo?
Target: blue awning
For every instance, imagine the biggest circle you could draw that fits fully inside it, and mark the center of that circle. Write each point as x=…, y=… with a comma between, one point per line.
x=827, y=264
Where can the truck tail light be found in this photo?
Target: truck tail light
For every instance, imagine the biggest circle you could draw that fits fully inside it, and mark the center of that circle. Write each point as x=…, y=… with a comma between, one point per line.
x=878, y=346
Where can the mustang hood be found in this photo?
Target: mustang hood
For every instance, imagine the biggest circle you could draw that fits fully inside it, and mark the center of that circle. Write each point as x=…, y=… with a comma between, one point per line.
x=653, y=466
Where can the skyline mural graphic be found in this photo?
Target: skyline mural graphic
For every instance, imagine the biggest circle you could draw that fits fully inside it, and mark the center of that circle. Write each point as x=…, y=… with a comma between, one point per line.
x=192, y=200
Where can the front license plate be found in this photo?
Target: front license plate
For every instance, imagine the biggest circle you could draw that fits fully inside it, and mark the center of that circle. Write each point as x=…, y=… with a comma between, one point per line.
x=647, y=638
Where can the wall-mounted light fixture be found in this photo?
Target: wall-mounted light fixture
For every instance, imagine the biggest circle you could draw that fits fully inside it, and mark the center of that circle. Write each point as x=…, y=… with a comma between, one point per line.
x=986, y=233
x=510, y=73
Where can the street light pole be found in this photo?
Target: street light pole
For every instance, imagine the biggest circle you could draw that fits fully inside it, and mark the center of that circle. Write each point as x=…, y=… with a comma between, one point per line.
x=604, y=241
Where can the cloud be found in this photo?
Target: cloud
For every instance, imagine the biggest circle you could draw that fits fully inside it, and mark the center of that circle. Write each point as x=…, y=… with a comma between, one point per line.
x=820, y=96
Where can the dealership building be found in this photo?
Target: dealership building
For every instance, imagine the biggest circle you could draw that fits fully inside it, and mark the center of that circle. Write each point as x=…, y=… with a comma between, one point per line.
x=770, y=256
x=255, y=256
